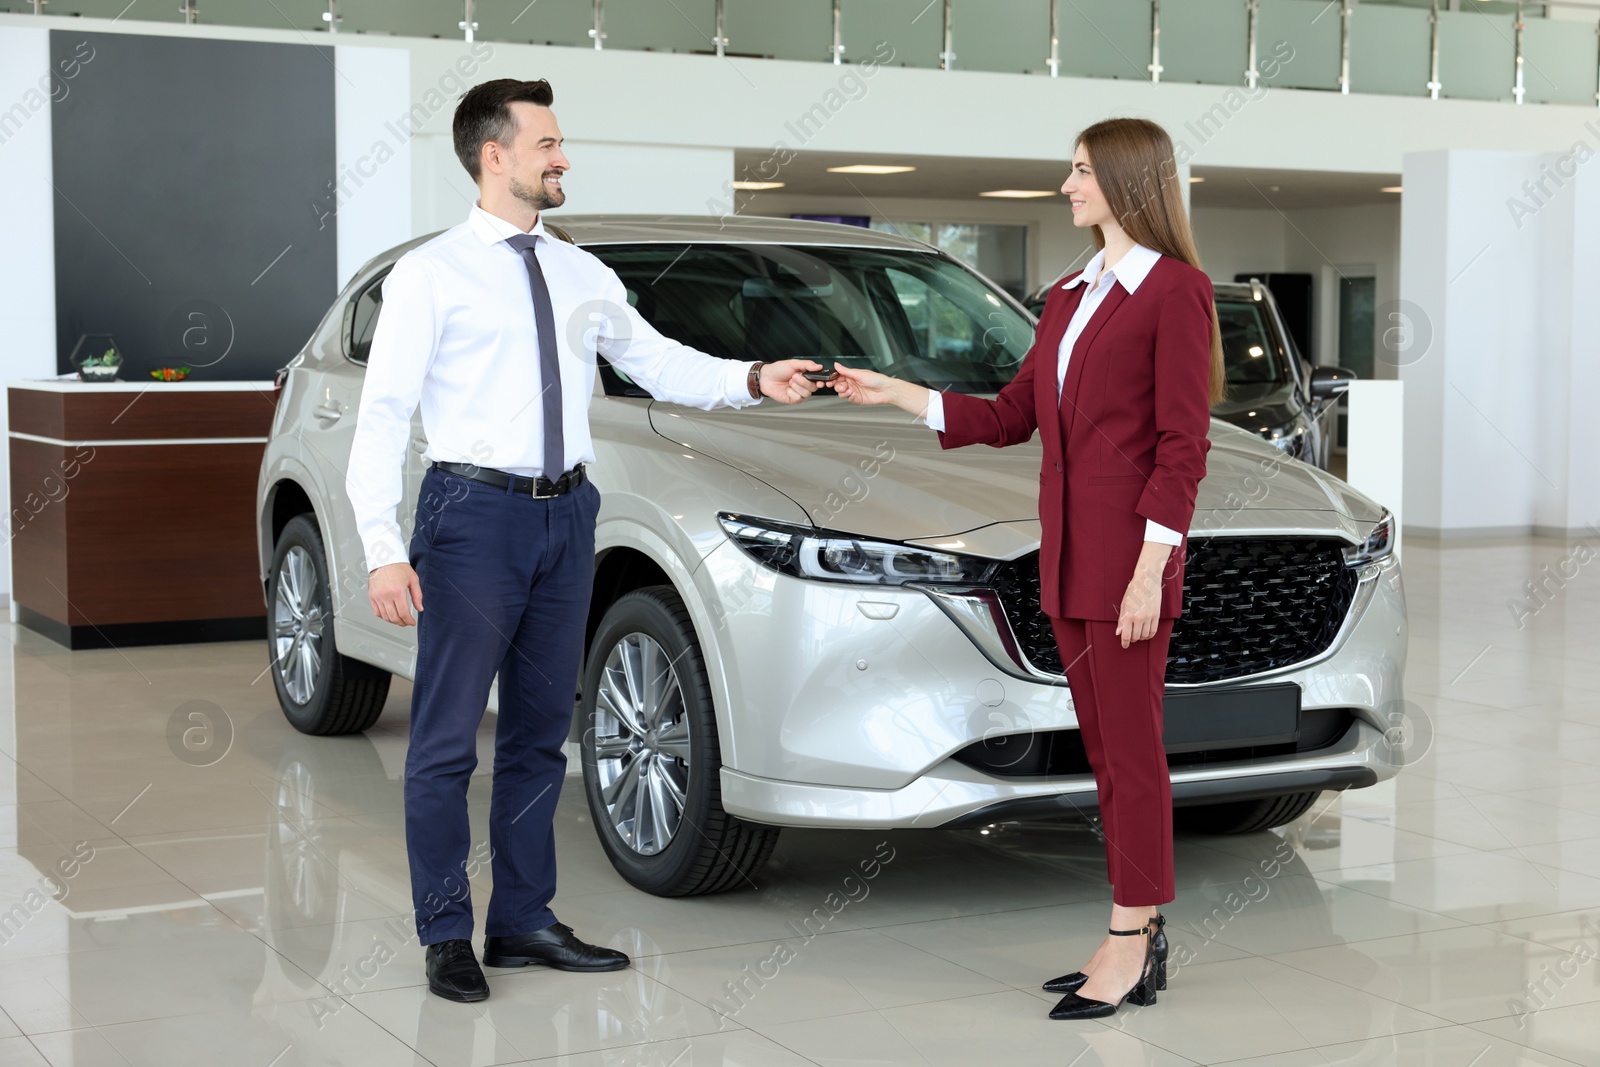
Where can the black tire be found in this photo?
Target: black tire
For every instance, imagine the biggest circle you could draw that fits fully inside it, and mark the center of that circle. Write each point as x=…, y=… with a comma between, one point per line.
x=710, y=851
x=1244, y=816
x=342, y=695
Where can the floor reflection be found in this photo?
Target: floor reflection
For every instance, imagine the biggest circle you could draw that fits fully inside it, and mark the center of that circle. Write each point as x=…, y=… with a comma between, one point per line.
x=162, y=904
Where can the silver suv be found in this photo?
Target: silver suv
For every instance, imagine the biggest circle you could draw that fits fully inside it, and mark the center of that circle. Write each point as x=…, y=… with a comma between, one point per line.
x=813, y=616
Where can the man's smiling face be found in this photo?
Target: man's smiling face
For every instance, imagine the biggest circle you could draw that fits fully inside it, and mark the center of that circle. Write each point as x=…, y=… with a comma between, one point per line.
x=532, y=163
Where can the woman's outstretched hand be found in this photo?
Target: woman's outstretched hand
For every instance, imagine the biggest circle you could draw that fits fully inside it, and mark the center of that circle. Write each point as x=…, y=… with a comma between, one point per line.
x=860, y=386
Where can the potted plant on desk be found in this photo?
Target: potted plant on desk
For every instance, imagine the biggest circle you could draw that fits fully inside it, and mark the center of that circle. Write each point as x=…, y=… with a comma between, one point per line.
x=97, y=357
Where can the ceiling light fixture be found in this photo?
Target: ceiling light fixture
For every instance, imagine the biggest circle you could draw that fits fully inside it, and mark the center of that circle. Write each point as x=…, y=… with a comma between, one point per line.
x=1195, y=178
x=869, y=168
x=1390, y=189
x=757, y=186
x=1019, y=194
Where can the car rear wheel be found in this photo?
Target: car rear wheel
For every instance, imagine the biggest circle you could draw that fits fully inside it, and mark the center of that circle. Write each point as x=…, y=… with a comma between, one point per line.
x=1244, y=816
x=651, y=758
x=321, y=691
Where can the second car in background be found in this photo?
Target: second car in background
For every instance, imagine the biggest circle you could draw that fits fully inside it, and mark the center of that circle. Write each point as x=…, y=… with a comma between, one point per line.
x=1272, y=390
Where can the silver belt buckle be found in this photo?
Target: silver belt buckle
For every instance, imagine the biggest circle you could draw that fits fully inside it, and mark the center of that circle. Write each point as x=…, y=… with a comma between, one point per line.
x=546, y=496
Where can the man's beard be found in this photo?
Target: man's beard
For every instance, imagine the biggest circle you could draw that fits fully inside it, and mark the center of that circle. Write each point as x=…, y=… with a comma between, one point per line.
x=541, y=196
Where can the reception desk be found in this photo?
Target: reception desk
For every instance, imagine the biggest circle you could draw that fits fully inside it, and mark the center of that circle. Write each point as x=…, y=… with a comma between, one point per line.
x=133, y=510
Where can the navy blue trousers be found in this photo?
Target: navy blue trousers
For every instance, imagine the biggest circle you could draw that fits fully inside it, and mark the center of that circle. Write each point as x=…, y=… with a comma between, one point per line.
x=505, y=591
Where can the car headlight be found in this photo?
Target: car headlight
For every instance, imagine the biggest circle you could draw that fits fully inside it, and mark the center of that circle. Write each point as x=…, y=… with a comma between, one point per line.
x=825, y=555
x=1378, y=545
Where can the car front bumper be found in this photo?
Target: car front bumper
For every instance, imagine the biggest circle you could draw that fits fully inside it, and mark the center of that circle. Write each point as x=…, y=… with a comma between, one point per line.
x=953, y=794
x=843, y=705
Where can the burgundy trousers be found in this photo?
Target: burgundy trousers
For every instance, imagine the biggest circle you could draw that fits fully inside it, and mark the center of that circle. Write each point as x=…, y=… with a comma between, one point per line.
x=1117, y=694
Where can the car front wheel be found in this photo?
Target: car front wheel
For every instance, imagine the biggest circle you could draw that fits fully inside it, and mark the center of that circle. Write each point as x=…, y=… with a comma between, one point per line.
x=651, y=759
x=320, y=690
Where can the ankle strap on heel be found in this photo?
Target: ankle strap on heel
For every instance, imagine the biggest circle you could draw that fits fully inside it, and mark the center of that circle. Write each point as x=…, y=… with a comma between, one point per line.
x=1145, y=929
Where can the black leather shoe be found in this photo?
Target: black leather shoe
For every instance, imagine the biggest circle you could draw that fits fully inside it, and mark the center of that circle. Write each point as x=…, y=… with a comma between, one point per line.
x=453, y=972
x=1143, y=993
x=1071, y=983
x=554, y=946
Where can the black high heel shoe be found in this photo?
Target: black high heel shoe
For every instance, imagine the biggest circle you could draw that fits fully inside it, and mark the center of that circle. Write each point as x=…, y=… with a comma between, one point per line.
x=1143, y=993
x=1071, y=983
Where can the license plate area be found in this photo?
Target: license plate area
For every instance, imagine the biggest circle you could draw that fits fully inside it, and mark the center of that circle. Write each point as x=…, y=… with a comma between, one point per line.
x=1238, y=717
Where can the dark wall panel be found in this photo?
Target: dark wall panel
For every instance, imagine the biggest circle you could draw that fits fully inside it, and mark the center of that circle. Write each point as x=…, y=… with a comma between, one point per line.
x=183, y=174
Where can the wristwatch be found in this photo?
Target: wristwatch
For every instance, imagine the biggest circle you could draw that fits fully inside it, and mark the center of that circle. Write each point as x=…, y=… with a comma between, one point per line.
x=754, y=380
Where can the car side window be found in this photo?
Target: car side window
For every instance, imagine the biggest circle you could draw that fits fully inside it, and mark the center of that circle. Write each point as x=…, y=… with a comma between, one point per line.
x=364, y=319
x=616, y=382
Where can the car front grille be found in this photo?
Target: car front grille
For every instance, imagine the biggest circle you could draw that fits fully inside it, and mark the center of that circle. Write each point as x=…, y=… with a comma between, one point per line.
x=1249, y=605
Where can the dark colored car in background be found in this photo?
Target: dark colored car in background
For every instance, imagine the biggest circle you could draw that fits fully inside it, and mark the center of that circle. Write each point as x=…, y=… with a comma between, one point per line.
x=1273, y=391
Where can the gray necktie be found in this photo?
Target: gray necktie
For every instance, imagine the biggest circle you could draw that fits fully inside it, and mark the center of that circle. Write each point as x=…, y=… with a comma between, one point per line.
x=544, y=321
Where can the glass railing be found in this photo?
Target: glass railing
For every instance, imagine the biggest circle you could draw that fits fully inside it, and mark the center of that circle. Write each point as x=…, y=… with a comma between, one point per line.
x=1464, y=49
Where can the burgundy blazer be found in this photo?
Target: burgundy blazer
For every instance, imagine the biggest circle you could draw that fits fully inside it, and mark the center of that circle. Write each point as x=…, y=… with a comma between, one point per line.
x=1127, y=441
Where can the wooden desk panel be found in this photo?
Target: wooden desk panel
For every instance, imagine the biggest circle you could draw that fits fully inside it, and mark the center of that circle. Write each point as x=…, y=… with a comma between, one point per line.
x=162, y=411
x=116, y=542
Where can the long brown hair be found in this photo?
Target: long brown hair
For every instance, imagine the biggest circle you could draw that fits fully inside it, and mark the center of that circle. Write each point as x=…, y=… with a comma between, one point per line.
x=1137, y=171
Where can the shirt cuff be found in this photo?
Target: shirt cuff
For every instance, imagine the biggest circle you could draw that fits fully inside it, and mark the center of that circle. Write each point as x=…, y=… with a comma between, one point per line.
x=738, y=385
x=1154, y=531
x=934, y=416
x=383, y=548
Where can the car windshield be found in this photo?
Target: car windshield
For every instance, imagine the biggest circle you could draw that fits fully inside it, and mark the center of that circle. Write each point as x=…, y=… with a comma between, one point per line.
x=916, y=315
x=1249, y=351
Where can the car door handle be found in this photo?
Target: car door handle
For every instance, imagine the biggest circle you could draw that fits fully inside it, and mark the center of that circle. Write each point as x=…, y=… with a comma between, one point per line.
x=419, y=445
x=332, y=411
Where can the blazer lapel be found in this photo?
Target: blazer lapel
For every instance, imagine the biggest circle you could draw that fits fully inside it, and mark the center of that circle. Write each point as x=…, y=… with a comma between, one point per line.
x=1049, y=341
x=1069, y=389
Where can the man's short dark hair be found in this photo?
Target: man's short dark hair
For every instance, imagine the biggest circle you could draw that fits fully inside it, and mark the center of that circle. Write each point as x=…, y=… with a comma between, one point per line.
x=484, y=114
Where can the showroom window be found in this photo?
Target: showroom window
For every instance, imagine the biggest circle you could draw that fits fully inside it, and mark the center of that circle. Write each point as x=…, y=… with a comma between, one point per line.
x=997, y=251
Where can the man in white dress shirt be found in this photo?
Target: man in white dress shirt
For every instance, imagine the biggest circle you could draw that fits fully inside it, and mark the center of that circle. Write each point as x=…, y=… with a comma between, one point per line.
x=474, y=327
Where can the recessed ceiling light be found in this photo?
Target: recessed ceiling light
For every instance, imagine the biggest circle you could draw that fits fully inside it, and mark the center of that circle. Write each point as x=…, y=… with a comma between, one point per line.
x=1019, y=194
x=758, y=185
x=1195, y=178
x=869, y=168
x=1390, y=189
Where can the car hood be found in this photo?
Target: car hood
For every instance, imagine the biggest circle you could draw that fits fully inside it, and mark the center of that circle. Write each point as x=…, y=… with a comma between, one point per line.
x=1259, y=407
x=878, y=473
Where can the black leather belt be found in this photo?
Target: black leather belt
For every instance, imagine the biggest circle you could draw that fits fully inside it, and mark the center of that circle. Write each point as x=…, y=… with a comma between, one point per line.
x=539, y=488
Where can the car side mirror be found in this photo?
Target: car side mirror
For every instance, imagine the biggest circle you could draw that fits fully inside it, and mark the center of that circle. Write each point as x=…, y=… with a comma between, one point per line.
x=1330, y=383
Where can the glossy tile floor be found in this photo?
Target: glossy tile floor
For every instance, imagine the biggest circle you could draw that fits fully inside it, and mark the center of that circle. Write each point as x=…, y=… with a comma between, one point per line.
x=239, y=898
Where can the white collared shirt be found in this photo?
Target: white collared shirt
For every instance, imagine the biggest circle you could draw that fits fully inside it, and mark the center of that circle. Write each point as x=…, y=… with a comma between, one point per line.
x=1130, y=271
x=456, y=333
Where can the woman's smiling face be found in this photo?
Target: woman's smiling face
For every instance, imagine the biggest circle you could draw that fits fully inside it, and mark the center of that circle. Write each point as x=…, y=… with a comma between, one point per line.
x=1089, y=207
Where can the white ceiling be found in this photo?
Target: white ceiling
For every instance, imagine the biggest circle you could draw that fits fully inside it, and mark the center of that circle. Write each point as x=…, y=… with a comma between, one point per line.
x=952, y=178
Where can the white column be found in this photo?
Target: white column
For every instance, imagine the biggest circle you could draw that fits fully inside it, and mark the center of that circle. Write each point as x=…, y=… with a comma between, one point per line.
x=1477, y=395
x=371, y=198
x=27, y=205
x=1578, y=266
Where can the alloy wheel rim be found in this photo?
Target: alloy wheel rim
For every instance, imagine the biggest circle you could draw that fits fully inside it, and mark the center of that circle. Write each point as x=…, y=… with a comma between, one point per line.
x=297, y=625
x=641, y=744
x=299, y=842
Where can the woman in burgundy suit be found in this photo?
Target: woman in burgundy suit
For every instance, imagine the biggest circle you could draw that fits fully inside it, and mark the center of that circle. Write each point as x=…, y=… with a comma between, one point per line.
x=1126, y=361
